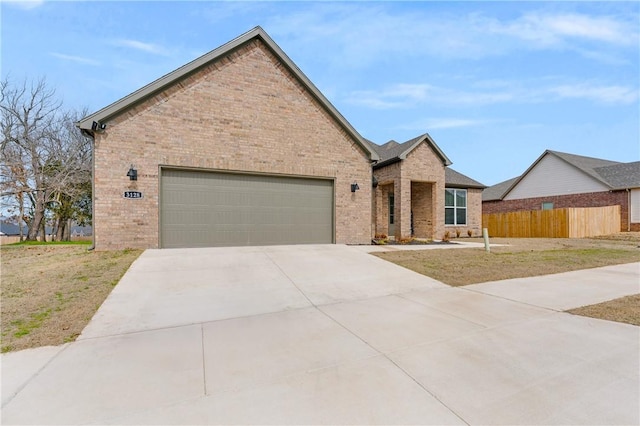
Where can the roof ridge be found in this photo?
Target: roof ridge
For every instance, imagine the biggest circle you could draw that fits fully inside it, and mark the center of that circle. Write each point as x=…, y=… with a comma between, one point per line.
x=560, y=153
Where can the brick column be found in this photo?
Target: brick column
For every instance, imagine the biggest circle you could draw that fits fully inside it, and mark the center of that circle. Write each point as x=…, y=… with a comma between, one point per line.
x=402, y=198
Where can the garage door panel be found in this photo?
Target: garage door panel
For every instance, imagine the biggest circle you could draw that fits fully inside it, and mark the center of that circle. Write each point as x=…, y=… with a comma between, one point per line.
x=201, y=209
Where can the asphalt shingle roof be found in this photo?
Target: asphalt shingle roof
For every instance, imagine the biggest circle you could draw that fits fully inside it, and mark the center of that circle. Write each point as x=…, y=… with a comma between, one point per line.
x=497, y=191
x=613, y=174
x=456, y=179
x=393, y=151
x=621, y=175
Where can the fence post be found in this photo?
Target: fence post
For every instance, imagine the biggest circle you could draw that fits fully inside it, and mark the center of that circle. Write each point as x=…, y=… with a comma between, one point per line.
x=485, y=237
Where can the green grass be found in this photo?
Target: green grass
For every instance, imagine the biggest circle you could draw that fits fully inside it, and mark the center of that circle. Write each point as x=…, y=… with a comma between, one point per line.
x=35, y=322
x=50, y=292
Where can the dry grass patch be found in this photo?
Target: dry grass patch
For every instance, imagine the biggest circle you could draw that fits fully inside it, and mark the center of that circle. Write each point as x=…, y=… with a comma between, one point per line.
x=518, y=258
x=50, y=292
x=528, y=257
x=625, y=309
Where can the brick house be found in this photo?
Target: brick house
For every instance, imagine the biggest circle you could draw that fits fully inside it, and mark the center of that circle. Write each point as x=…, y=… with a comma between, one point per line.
x=417, y=194
x=238, y=147
x=560, y=180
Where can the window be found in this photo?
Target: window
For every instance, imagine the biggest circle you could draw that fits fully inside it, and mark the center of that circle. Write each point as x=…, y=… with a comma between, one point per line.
x=392, y=209
x=455, y=206
x=547, y=206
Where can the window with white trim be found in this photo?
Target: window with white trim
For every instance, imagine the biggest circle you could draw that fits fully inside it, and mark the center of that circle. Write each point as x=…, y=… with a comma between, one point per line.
x=455, y=206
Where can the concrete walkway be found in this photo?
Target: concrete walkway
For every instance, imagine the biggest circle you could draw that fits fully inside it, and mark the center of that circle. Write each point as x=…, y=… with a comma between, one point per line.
x=331, y=334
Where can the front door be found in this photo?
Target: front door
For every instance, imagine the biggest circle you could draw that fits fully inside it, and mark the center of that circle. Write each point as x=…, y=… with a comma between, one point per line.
x=392, y=208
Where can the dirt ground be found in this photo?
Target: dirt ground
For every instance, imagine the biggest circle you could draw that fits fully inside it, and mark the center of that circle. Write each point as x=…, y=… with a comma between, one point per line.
x=49, y=293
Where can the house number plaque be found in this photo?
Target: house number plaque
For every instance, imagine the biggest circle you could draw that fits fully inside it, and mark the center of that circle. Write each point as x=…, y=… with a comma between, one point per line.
x=132, y=194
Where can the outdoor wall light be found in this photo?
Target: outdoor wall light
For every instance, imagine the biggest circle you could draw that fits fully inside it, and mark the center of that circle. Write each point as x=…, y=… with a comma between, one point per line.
x=374, y=182
x=132, y=173
x=354, y=187
x=98, y=127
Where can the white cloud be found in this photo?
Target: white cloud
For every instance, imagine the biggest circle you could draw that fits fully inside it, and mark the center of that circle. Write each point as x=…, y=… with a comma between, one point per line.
x=142, y=46
x=550, y=29
x=78, y=59
x=444, y=123
x=404, y=95
x=362, y=34
x=24, y=4
x=601, y=94
x=411, y=95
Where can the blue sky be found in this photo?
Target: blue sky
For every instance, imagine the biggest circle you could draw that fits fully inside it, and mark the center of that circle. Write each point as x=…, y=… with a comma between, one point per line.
x=494, y=83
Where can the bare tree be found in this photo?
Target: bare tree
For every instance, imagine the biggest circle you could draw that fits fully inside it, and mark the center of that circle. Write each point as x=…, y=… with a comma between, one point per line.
x=45, y=159
x=69, y=176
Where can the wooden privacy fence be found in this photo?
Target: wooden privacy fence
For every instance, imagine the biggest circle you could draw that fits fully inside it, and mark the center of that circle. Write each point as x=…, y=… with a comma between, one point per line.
x=557, y=223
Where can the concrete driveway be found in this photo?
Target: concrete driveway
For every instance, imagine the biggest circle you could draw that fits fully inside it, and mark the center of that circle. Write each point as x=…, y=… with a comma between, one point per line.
x=331, y=334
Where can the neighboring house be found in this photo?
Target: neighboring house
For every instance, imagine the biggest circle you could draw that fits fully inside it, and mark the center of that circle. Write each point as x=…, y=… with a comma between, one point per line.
x=10, y=232
x=238, y=147
x=560, y=180
x=417, y=194
x=11, y=229
x=80, y=231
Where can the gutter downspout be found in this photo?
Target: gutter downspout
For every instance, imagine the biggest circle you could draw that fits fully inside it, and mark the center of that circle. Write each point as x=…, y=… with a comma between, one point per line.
x=628, y=210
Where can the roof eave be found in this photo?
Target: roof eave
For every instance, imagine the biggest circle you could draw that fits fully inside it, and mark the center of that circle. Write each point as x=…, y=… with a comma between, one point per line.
x=463, y=186
x=385, y=163
x=161, y=83
x=434, y=145
x=625, y=188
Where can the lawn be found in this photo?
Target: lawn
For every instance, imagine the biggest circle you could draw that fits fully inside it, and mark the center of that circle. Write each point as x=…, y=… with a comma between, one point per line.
x=515, y=258
x=49, y=292
x=518, y=258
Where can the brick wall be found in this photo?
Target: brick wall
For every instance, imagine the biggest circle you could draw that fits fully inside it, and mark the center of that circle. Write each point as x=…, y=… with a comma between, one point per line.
x=422, y=208
x=424, y=165
x=243, y=112
x=592, y=199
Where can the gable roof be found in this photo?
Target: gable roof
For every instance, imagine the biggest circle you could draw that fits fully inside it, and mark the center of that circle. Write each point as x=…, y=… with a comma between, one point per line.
x=499, y=190
x=621, y=175
x=393, y=151
x=456, y=179
x=612, y=174
x=173, y=77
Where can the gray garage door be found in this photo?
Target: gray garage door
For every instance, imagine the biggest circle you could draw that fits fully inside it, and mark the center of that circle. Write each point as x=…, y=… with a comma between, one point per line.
x=206, y=209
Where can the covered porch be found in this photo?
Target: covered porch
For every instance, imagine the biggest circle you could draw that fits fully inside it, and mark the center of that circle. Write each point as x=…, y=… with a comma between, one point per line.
x=405, y=208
